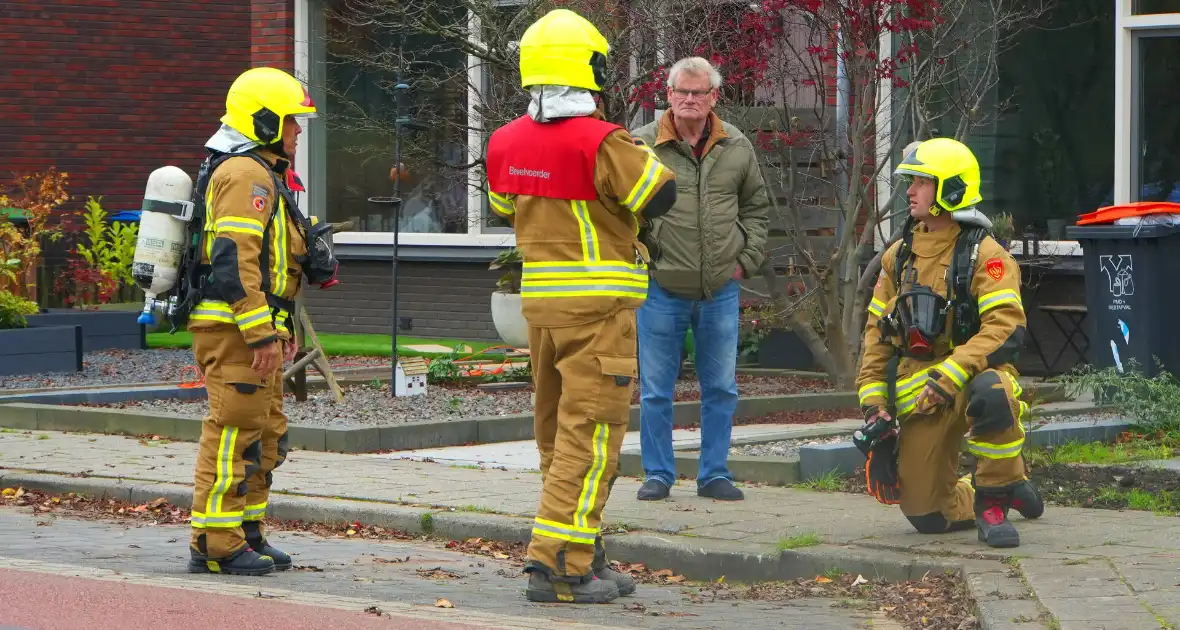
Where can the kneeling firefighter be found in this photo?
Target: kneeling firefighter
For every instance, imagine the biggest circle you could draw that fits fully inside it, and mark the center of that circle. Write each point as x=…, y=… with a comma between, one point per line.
x=945, y=327
x=575, y=188
x=250, y=248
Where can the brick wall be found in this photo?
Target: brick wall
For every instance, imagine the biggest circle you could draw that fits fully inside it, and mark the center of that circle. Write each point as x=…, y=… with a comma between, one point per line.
x=443, y=299
x=272, y=31
x=109, y=91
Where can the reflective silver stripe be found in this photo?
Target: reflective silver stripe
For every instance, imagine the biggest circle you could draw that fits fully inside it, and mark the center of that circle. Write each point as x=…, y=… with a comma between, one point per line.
x=554, y=530
x=583, y=288
x=992, y=300
x=587, y=269
x=589, y=234
x=996, y=452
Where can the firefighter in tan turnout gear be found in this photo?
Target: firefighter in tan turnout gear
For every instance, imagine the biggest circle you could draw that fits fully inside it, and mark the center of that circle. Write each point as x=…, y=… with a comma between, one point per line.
x=247, y=266
x=576, y=188
x=944, y=329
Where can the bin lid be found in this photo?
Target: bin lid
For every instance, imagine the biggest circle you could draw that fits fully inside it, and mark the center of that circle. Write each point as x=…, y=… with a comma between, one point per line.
x=126, y=215
x=1120, y=232
x=1110, y=214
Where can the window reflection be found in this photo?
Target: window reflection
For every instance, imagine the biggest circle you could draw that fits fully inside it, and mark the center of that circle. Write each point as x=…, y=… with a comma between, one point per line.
x=1159, y=120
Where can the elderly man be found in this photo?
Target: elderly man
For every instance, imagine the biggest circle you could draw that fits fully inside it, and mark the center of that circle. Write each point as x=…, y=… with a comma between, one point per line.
x=712, y=237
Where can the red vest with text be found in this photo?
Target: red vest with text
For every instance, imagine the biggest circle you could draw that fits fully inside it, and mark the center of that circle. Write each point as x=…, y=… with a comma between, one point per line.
x=554, y=159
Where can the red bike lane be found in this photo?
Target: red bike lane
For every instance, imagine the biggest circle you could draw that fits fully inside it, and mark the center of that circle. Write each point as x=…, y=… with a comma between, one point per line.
x=40, y=601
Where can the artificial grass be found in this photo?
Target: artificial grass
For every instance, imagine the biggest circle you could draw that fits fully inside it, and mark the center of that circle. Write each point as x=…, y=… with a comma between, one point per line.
x=342, y=345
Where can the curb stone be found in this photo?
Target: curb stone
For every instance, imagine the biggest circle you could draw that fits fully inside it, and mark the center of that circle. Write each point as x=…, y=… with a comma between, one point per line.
x=999, y=597
x=406, y=436
x=816, y=460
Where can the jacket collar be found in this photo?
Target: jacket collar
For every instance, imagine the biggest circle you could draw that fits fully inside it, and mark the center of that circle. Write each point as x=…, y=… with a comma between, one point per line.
x=277, y=163
x=668, y=133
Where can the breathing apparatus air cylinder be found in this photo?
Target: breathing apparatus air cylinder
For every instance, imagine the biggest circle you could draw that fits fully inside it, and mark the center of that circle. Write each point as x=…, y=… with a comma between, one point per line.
x=163, y=233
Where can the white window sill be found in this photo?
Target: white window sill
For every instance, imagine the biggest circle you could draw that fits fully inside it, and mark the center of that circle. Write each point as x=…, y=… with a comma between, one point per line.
x=1047, y=248
x=507, y=239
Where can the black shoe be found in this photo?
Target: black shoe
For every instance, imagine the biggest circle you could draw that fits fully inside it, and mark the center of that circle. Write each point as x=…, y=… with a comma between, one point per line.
x=258, y=543
x=595, y=591
x=245, y=561
x=1027, y=501
x=991, y=517
x=722, y=490
x=653, y=490
x=625, y=583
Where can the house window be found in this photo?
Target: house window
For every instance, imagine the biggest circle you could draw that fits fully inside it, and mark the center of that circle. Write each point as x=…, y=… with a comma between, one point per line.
x=352, y=69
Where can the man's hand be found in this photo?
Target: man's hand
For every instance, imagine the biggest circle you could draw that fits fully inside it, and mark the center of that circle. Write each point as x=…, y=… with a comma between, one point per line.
x=929, y=400
x=289, y=350
x=266, y=359
x=738, y=274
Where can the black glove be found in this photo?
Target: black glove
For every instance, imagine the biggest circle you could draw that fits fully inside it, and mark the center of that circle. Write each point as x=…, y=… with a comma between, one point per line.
x=881, y=474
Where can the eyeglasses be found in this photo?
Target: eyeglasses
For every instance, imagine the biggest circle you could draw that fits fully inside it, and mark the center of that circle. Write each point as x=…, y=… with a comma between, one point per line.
x=682, y=93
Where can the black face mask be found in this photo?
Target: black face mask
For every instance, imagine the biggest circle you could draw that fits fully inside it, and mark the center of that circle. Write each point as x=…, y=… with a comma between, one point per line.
x=921, y=319
x=321, y=265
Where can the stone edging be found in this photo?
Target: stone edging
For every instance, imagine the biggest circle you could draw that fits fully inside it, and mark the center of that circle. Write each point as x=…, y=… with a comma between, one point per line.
x=1000, y=597
x=843, y=457
x=406, y=436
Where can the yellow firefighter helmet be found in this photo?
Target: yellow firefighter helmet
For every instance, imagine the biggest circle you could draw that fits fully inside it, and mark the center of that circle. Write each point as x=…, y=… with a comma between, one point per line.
x=563, y=48
x=952, y=165
x=259, y=100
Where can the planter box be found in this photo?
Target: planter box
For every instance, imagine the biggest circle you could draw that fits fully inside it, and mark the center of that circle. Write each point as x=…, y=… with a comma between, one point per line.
x=40, y=349
x=101, y=330
x=783, y=349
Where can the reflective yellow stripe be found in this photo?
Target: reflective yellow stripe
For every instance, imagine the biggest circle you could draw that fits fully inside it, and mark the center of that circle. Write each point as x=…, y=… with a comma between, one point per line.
x=588, y=233
x=646, y=185
x=561, y=531
x=991, y=300
x=281, y=320
x=996, y=451
x=953, y=371
x=240, y=225
x=200, y=520
x=579, y=271
x=213, y=311
x=593, y=478
x=556, y=289
x=869, y=390
x=224, y=470
x=876, y=307
x=255, y=512
x=501, y=204
x=253, y=318
x=908, y=390
x=280, y=249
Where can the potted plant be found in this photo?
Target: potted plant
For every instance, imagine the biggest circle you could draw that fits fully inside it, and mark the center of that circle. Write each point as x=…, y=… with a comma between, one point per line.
x=506, y=316
x=1003, y=229
x=26, y=348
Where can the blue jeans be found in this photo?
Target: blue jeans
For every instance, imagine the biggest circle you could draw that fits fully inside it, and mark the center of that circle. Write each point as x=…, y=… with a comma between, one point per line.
x=664, y=320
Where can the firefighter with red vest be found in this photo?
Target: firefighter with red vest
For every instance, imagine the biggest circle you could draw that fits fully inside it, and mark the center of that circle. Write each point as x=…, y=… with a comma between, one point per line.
x=576, y=189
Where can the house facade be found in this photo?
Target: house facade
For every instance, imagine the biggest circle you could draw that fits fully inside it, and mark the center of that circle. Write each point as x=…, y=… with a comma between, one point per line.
x=110, y=91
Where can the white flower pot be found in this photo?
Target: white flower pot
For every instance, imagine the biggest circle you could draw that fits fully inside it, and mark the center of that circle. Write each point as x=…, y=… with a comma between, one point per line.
x=510, y=324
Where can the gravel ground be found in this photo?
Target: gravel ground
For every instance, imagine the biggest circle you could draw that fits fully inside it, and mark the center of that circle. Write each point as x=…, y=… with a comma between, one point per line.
x=365, y=405
x=784, y=448
x=114, y=367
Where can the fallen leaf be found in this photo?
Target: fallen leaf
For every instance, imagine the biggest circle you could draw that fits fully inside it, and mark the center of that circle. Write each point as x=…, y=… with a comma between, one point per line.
x=374, y=610
x=663, y=573
x=160, y=502
x=676, y=579
x=8, y=492
x=860, y=579
x=823, y=580
x=442, y=603
x=636, y=607
x=501, y=556
x=350, y=532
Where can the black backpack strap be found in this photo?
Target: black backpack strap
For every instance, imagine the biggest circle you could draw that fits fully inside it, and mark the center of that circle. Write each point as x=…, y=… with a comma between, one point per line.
x=964, y=304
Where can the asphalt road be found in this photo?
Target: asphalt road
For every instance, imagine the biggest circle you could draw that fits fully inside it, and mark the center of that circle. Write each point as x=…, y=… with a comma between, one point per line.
x=65, y=574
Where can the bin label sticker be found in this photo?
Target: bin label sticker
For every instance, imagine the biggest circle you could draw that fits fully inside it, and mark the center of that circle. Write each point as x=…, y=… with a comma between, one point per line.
x=995, y=269
x=1118, y=269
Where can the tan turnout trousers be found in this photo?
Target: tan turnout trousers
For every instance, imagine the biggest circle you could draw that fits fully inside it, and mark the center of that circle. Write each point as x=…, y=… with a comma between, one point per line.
x=243, y=439
x=584, y=377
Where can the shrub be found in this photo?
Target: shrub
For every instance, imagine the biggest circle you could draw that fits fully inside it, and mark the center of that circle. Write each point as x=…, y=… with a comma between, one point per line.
x=14, y=309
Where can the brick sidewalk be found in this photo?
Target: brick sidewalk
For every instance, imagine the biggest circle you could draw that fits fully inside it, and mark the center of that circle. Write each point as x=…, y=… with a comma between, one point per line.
x=1091, y=568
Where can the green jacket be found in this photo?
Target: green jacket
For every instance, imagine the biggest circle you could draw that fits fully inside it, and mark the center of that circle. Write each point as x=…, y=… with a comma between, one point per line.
x=721, y=213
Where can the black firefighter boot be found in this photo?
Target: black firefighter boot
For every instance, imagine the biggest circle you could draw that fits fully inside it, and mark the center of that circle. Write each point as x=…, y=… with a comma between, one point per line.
x=547, y=588
x=244, y=561
x=1026, y=500
x=257, y=542
x=991, y=518
x=625, y=583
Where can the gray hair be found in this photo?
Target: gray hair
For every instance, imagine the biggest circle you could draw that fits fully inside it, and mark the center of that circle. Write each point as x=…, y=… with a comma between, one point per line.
x=695, y=66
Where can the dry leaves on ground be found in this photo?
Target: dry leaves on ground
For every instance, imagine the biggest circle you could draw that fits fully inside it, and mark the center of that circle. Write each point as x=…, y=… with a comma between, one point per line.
x=155, y=512
x=645, y=575
x=935, y=602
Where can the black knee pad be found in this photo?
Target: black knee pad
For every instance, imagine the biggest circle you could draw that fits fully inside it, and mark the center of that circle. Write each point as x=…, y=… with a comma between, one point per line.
x=933, y=523
x=987, y=404
x=253, y=458
x=283, y=449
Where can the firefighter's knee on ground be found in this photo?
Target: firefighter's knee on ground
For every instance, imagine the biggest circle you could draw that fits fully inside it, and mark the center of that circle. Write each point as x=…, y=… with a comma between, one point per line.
x=935, y=523
x=991, y=406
